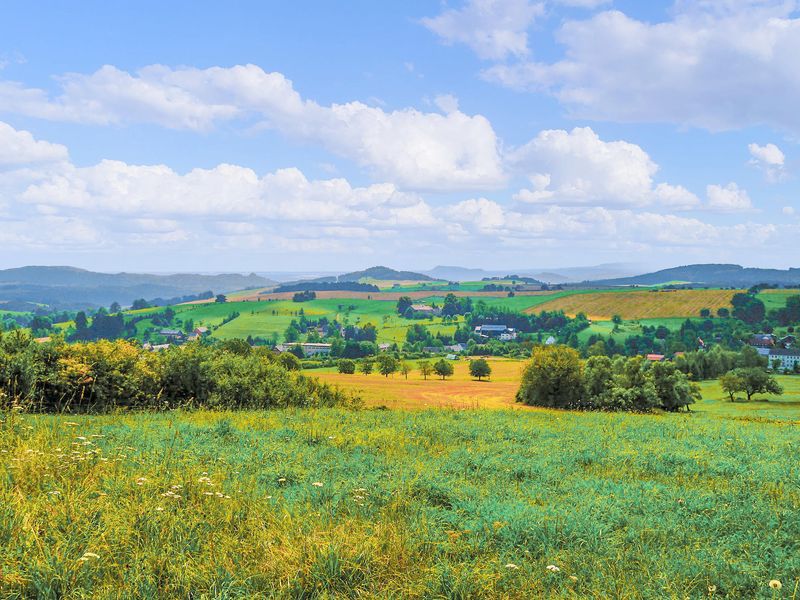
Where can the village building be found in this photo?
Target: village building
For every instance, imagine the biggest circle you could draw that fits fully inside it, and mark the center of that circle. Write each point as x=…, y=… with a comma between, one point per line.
x=426, y=309
x=309, y=349
x=501, y=332
x=787, y=358
x=154, y=348
x=172, y=334
x=765, y=343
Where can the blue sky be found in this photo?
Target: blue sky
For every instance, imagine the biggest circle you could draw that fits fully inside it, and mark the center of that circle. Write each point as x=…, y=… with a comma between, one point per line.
x=492, y=133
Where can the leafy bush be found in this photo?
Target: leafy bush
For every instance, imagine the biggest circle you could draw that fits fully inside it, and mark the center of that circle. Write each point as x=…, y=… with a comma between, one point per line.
x=347, y=366
x=108, y=375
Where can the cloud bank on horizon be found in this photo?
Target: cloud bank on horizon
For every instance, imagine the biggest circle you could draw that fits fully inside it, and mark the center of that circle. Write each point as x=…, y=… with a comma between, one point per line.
x=505, y=132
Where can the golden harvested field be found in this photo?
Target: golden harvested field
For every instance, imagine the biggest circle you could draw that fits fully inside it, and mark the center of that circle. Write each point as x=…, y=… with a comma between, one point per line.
x=630, y=305
x=458, y=391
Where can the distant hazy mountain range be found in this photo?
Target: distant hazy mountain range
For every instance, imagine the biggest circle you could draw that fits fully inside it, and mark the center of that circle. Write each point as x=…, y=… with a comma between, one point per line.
x=70, y=288
x=379, y=273
x=554, y=275
x=711, y=274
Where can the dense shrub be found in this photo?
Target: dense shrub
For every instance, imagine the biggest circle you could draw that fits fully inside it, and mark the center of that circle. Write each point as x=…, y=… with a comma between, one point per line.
x=107, y=375
x=347, y=366
x=553, y=378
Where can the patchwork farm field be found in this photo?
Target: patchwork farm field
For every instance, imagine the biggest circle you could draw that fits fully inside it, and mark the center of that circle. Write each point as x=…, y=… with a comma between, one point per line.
x=265, y=317
x=401, y=504
x=463, y=392
x=640, y=304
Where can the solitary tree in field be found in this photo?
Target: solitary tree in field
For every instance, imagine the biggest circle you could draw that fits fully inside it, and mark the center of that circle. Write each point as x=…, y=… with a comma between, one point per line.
x=425, y=368
x=443, y=368
x=705, y=312
x=405, y=369
x=221, y=298
x=387, y=364
x=366, y=367
x=616, y=320
x=480, y=368
x=751, y=381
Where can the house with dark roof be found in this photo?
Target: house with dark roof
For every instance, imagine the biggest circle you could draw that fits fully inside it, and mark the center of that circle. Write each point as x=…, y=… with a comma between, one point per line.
x=762, y=340
x=175, y=335
x=784, y=358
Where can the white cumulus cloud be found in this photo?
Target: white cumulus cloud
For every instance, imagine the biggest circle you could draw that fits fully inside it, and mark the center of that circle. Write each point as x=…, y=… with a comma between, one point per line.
x=770, y=159
x=728, y=198
x=718, y=65
x=20, y=148
x=412, y=148
x=493, y=29
x=578, y=167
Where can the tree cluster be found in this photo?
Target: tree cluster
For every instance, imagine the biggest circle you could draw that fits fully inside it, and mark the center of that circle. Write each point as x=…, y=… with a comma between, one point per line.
x=557, y=378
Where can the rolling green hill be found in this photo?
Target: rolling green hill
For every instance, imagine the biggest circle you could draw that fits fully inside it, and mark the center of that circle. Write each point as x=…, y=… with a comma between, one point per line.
x=71, y=288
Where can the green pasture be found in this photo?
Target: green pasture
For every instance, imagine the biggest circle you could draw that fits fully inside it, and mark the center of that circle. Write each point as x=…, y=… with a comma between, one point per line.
x=331, y=503
x=773, y=299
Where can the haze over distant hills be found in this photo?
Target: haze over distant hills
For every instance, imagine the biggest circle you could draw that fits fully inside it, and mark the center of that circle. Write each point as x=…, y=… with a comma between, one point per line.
x=379, y=273
x=69, y=287
x=711, y=274
x=548, y=275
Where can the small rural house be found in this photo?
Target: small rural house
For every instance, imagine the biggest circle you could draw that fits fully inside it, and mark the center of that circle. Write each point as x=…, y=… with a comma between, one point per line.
x=426, y=310
x=501, y=332
x=173, y=335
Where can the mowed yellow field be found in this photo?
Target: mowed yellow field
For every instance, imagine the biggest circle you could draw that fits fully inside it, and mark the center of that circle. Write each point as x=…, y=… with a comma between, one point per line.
x=640, y=304
x=459, y=391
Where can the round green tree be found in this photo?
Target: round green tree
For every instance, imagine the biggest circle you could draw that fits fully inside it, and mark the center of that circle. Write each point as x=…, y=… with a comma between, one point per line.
x=443, y=368
x=553, y=378
x=479, y=368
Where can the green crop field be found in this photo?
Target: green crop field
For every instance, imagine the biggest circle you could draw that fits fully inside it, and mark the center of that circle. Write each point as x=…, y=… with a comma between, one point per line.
x=430, y=504
x=776, y=298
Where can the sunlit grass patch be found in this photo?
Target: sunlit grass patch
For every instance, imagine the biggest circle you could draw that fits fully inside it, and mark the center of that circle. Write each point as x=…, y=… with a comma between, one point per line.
x=333, y=503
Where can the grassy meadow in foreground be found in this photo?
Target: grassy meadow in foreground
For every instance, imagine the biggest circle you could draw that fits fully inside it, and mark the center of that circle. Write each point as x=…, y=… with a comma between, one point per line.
x=425, y=504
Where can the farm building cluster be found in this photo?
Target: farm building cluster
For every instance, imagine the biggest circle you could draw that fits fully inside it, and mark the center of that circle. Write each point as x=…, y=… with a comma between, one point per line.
x=781, y=351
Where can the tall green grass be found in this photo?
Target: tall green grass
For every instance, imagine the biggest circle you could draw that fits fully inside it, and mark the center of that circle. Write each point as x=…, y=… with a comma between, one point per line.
x=441, y=504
